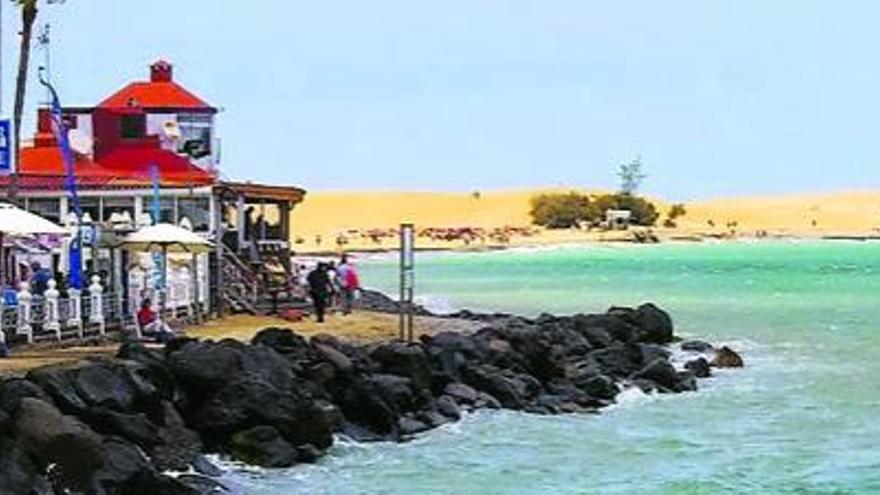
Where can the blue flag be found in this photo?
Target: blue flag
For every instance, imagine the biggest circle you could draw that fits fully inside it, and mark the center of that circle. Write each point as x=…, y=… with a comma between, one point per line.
x=158, y=260
x=59, y=129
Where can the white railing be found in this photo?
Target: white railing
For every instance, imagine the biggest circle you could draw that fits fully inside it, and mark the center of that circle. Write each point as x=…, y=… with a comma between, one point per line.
x=51, y=317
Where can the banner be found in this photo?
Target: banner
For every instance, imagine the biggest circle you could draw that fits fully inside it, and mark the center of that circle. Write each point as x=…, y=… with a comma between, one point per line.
x=59, y=129
x=6, y=153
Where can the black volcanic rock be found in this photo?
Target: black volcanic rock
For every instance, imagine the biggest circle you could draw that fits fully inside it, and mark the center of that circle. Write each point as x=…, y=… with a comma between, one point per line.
x=114, y=425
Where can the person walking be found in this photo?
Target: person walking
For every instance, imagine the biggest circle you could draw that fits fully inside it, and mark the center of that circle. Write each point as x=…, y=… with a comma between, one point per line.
x=319, y=290
x=349, y=284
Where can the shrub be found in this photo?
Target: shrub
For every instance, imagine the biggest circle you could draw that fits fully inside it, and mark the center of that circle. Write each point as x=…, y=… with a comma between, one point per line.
x=561, y=211
x=643, y=211
x=677, y=210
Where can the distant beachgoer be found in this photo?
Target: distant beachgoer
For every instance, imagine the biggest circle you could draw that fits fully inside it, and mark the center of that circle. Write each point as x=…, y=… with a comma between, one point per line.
x=333, y=276
x=319, y=290
x=150, y=323
x=39, y=278
x=349, y=284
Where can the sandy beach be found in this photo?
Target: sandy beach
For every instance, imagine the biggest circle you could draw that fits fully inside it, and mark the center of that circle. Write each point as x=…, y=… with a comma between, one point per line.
x=327, y=215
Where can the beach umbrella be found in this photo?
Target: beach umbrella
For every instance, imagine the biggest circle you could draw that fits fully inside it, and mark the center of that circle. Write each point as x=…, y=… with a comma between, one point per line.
x=166, y=238
x=15, y=222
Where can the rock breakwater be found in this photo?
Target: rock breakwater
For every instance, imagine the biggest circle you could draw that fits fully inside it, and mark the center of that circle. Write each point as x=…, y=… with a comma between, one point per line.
x=116, y=425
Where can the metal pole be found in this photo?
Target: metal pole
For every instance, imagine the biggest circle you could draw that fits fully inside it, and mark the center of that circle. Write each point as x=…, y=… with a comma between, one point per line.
x=400, y=307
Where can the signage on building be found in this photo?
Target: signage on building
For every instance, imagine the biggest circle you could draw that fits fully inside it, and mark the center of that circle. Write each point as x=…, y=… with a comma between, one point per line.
x=6, y=155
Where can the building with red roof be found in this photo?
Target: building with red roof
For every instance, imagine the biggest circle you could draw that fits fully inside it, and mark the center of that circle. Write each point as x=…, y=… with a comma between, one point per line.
x=155, y=126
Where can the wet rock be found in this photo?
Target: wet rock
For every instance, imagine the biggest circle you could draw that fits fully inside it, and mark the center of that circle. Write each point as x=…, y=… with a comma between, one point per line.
x=600, y=387
x=699, y=367
x=132, y=427
x=179, y=447
x=406, y=360
x=52, y=438
x=696, y=346
x=461, y=393
x=660, y=372
x=655, y=325
x=18, y=473
x=447, y=406
x=263, y=446
x=725, y=357
x=619, y=360
x=494, y=382
x=410, y=426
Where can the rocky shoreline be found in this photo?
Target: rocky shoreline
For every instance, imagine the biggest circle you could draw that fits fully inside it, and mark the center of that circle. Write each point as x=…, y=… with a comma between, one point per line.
x=116, y=425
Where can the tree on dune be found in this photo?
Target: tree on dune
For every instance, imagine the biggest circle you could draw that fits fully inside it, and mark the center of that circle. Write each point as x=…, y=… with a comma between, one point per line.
x=631, y=176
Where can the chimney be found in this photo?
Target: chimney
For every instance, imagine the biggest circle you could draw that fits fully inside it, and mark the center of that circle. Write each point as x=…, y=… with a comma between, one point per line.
x=161, y=71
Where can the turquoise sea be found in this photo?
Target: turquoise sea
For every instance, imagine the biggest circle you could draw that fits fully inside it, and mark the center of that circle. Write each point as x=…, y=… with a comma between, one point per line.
x=802, y=417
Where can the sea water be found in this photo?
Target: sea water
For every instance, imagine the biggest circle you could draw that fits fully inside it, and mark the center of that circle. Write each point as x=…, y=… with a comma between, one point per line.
x=802, y=417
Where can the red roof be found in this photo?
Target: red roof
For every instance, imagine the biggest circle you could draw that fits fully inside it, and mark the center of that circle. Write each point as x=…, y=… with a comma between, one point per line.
x=42, y=168
x=134, y=164
x=154, y=95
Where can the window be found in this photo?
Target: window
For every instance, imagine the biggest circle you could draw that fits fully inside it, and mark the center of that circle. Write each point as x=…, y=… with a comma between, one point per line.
x=195, y=134
x=49, y=209
x=167, y=211
x=197, y=210
x=122, y=208
x=133, y=126
x=91, y=208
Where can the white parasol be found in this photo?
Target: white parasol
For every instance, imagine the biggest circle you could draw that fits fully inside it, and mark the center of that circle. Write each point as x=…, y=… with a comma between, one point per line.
x=15, y=222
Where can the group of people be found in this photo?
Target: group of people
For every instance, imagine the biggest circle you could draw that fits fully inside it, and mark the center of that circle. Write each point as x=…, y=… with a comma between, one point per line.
x=333, y=285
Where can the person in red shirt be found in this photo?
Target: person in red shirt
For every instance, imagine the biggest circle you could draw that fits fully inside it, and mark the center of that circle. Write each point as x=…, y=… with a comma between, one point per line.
x=150, y=323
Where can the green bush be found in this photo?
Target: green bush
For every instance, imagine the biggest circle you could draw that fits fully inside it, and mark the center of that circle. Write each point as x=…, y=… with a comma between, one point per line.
x=561, y=211
x=644, y=212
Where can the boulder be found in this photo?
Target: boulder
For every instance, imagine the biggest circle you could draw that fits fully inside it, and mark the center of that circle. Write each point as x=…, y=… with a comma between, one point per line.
x=699, y=367
x=492, y=381
x=725, y=357
x=396, y=390
x=59, y=382
x=103, y=385
x=282, y=340
x=13, y=390
x=600, y=387
x=363, y=404
x=409, y=426
x=696, y=346
x=179, y=447
x=654, y=324
x=52, y=438
x=18, y=473
x=461, y=393
x=447, y=406
x=135, y=428
x=206, y=366
x=619, y=360
x=661, y=372
x=340, y=361
x=122, y=463
x=263, y=446
x=407, y=360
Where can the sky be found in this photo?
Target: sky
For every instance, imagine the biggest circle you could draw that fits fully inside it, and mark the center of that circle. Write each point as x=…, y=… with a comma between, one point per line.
x=718, y=97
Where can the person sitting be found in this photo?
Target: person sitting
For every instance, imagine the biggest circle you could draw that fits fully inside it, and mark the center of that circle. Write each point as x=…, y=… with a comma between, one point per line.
x=150, y=323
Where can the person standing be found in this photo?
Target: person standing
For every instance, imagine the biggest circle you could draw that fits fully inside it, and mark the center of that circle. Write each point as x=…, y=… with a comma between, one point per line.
x=319, y=290
x=349, y=283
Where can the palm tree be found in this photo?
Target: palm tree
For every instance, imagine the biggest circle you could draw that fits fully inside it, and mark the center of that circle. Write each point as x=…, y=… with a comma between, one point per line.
x=28, y=17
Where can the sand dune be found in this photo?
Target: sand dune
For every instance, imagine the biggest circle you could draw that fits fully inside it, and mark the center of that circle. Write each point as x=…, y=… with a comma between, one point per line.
x=328, y=214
